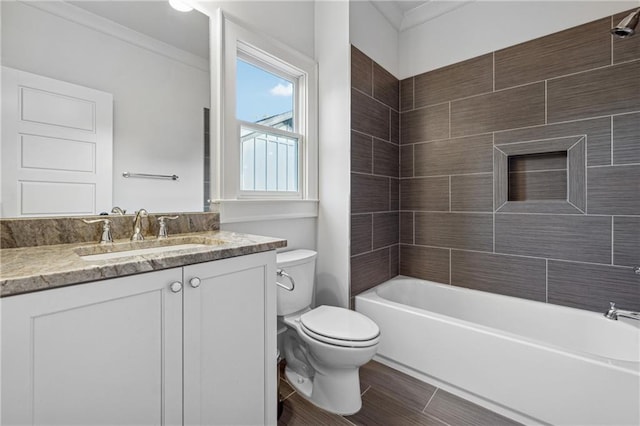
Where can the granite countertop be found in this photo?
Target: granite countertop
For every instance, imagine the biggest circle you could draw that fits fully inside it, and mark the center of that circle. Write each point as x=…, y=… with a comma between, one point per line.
x=28, y=269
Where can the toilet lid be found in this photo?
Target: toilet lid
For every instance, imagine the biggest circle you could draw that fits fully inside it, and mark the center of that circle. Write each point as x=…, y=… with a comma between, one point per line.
x=339, y=324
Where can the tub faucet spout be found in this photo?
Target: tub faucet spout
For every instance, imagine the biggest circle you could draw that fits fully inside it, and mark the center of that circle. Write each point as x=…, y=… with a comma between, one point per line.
x=613, y=313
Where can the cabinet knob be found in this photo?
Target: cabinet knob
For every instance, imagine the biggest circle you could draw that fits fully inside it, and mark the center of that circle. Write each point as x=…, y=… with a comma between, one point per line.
x=195, y=282
x=176, y=287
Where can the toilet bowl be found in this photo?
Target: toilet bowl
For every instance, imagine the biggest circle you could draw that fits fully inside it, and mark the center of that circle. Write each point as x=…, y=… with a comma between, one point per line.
x=324, y=347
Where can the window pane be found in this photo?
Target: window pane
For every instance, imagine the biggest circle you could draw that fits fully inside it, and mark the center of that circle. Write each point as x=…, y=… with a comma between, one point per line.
x=263, y=97
x=269, y=162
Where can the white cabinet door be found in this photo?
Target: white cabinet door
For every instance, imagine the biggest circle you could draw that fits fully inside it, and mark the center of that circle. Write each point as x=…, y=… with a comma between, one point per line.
x=103, y=353
x=56, y=147
x=230, y=342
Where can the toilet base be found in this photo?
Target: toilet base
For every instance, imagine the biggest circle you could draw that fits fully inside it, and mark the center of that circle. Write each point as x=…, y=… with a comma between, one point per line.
x=335, y=391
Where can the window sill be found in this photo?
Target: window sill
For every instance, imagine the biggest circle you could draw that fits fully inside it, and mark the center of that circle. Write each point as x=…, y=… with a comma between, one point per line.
x=233, y=211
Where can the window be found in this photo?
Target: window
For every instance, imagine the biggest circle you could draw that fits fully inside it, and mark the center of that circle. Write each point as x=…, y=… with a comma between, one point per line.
x=266, y=113
x=266, y=144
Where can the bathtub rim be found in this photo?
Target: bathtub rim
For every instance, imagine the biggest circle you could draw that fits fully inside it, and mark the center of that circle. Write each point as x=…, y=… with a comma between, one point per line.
x=371, y=295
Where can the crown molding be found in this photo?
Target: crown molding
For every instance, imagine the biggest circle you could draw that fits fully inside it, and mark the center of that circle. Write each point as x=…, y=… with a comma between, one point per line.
x=427, y=11
x=94, y=22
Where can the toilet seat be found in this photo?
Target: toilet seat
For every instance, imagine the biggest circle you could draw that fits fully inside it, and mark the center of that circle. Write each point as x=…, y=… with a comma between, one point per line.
x=339, y=327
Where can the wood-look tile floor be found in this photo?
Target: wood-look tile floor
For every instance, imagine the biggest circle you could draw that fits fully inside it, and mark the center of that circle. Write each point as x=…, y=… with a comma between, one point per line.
x=391, y=398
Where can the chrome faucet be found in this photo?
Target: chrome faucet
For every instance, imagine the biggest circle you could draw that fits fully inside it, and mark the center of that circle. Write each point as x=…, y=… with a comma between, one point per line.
x=106, y=237
x=117, y=210
x=613, y=313
x=162, y=231
x=137, y=225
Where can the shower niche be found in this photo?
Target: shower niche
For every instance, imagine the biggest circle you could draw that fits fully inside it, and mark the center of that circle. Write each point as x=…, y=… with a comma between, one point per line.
x=546, y=176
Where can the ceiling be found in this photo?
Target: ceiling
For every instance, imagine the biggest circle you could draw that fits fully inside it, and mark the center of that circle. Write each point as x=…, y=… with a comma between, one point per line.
x=405, y=14
x=188, y=31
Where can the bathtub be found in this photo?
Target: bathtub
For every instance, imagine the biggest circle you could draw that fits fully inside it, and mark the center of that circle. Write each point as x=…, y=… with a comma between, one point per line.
x=531, y=361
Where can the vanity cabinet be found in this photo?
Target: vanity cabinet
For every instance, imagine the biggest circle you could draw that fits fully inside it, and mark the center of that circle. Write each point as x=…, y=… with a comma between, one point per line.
x=194, y=345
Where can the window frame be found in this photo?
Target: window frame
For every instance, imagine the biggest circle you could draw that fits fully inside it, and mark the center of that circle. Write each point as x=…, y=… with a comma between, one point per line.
x=255, y=57
x=238, y=42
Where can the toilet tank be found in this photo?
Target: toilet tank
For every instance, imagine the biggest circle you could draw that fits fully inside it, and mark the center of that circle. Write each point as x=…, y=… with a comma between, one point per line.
x=301, y=266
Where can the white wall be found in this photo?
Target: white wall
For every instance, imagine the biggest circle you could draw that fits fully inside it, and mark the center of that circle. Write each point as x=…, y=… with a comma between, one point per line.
x=334, y=57
x=372, y=33
x=299, y=233
x=485, y=26
x=158, y=102
x=290, y=22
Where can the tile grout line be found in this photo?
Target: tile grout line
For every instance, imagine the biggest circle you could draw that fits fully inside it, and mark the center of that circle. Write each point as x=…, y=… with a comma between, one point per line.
x=493, y=187
x=371, y=244
x=449, y=193
x=365, y=391
x=524, y=256
x=348, y=421
x=611, y=139
x=389, y=135
x=449, y=119
x=487, y=212
x=546, y=280
x=600, y=166
x=546, y=103
x=371, y=170
x=558, y=77
x=429, y=401
x=387, y=247
x=612, y=238
x=413, y=93
x=611, y=24
x=373, y=85
x=413, y=241
x=374, y=99
x=550, y=139
x=586, y=173
x=288, y=395
x=493, y=70
x=413, y=161
x=452, y=174
x=450, y=252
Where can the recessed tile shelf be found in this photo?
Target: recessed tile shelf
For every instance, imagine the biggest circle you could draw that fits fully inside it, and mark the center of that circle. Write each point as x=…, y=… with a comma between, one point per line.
x=544, y=176
x=538, y=176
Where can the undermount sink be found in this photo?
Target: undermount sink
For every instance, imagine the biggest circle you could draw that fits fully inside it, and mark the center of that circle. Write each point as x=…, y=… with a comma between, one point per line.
x=140, y=248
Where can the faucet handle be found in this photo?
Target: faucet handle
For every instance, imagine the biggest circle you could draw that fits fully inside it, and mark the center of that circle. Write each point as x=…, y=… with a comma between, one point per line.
x=106, y=237
x=612, y=305
x=162, y=232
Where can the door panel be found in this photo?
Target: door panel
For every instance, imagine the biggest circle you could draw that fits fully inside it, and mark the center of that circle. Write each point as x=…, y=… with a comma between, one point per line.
x=58, y=133
x=49, y=153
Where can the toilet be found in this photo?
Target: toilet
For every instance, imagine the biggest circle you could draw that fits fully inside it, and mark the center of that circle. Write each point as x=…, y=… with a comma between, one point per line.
x=324, y=347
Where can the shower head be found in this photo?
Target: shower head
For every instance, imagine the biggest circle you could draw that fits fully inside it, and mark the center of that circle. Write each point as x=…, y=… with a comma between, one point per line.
x=626, y=27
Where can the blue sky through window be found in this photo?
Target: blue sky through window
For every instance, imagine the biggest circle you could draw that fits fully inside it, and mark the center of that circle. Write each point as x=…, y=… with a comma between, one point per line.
x=260, y=94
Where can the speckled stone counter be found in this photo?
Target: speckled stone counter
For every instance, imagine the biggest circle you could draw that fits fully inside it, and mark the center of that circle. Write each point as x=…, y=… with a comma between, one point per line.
x=27, y=269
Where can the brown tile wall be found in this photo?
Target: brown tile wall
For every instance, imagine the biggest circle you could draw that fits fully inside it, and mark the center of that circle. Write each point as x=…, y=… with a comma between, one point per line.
x=375, y=172
x=578, y=84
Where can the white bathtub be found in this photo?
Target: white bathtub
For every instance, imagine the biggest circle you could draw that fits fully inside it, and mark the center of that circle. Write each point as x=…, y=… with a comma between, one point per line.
x=532, y=361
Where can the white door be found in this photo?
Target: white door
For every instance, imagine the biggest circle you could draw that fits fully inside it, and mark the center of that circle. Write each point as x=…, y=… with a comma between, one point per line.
x=230, y=342
x=103, y=353
x=56, y=151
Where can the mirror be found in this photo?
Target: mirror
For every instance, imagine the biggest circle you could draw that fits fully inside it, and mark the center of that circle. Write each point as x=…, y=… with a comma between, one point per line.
x=154, y=61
